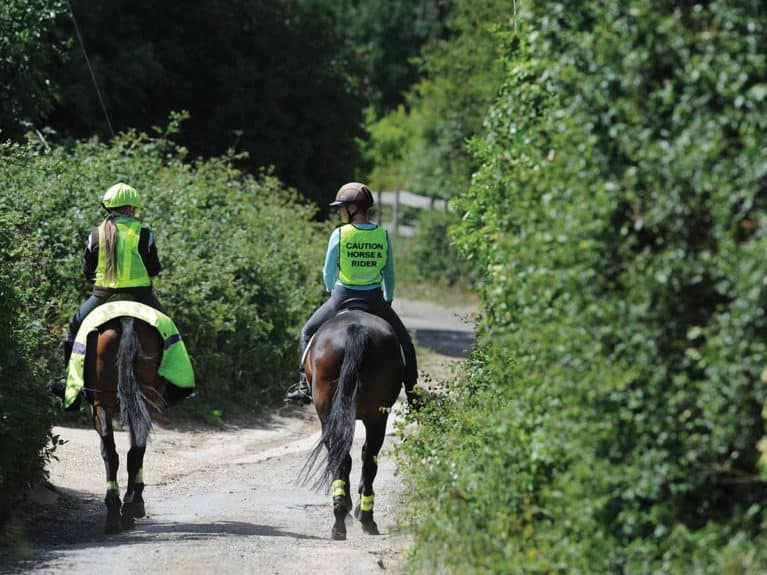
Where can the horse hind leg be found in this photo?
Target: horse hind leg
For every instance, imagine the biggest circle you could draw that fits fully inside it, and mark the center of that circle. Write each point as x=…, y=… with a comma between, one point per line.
x=342, y=499
x=102, y=420
x=133, y=502
x=374, y=437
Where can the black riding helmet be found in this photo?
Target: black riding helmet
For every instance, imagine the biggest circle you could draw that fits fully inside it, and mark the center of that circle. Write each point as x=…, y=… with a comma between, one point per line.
x=354, y=193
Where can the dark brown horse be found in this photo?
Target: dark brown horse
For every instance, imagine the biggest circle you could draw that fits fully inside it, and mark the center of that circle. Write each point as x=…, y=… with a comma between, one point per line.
x=355, y=370
x=121, y=365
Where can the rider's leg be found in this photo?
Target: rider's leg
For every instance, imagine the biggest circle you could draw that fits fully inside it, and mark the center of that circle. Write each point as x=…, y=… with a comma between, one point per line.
x=327, y=310
x=59, y=386
x=77, y=320
x=411, y=362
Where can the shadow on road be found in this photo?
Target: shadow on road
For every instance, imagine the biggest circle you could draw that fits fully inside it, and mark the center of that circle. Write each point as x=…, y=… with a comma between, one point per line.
x=203, y=530
x=43, y=552
x=446, y=342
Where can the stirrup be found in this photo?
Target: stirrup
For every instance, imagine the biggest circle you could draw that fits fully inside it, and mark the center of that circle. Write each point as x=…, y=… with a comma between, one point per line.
x=300, y=393
x=58, y=388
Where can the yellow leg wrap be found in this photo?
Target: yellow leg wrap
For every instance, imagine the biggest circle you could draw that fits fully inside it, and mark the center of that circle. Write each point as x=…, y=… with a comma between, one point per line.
x=339, y=488
x=128, y=498
x=140, y=476
x=112, y=486
x=366, y=502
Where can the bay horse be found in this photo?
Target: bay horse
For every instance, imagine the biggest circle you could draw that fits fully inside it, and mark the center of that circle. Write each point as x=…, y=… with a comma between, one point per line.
x=355, y=369
x=121, y=362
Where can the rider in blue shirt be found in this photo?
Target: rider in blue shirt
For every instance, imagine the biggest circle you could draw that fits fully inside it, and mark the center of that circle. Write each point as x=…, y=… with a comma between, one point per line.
x=357, y=269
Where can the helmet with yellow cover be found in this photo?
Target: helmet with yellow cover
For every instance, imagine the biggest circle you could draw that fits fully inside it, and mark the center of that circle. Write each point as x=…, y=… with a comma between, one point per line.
x=121, y=195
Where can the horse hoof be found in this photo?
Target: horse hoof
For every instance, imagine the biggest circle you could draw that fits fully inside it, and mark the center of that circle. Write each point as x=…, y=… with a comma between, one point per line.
x=112, y=527
x=370, y=528
x=357, y=512
x=134, y=509
x=339, y=534
x=127, y=522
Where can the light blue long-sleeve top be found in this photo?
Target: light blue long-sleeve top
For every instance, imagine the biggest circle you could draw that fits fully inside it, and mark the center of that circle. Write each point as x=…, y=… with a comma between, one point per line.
x=331, y=265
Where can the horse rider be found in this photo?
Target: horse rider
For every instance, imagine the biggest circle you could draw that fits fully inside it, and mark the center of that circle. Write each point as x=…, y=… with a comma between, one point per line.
x=358, y=262
x=120, y=258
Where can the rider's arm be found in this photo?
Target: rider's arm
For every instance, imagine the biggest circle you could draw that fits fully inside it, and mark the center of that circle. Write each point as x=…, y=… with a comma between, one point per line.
x=91, y=255
x=330, y=272
x=148, y=250
x=388, y=275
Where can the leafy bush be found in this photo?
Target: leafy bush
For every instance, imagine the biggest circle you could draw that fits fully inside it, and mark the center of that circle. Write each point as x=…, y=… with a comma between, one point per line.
x=25, y=410
x=609, y=419
x=241, y=260
x=430, y=256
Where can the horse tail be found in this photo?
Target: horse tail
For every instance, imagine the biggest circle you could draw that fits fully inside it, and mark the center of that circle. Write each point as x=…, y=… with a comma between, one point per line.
x=338, y=431
x=133, y=402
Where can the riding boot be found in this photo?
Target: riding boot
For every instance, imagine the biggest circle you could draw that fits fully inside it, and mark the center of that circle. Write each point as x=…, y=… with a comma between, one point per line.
x=411, y=375
x=302, y=393
x=59, y=387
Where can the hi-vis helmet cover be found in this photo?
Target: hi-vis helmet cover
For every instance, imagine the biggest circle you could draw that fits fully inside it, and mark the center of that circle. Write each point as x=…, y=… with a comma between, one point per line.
x=353, y=193
x=121, y=195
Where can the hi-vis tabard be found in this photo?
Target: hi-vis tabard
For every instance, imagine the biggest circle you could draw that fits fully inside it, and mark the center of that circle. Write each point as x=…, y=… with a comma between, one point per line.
x=130, y=270
x=362, y=255
x=175, y=365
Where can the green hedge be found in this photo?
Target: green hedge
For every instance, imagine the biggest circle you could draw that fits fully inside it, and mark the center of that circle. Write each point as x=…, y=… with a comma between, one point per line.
x=241, y=259
x=26, y=411
x=608, y=421
x=430, y=258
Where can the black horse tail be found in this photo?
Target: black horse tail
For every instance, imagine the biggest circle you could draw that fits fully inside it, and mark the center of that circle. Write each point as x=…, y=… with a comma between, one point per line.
x=133, y=402
x=338, y=431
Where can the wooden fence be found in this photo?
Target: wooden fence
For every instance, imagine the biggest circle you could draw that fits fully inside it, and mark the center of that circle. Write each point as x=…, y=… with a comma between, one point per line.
x=399, y=198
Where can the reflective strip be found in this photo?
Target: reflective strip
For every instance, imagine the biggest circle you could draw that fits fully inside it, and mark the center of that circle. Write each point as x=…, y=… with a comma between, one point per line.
x=112, y=486
x=339, y=488
x=176, y=337
x=140, y=476
x=366, y=502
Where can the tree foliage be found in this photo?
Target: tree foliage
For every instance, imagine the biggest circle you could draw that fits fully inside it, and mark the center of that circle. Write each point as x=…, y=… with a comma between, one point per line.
x=286, y=81
x=446, y=107
x=382, y=42
x=26, y=48
x=609, y=419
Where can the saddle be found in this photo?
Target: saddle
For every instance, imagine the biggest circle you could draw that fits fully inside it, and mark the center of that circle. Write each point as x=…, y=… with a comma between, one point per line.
x=359, y=304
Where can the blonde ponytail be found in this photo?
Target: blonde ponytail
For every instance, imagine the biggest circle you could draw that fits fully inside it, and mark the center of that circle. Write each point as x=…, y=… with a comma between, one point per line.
x=108, y=231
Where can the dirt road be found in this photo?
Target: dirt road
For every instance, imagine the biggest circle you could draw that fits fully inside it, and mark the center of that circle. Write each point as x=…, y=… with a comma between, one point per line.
x=222, y=500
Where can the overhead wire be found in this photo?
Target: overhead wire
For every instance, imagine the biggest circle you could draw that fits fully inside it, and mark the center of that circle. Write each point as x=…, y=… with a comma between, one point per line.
x=90, y=68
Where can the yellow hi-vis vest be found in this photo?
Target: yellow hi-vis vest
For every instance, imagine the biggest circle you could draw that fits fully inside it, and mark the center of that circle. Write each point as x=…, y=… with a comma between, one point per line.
x=362, y=255
x=130, y=270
